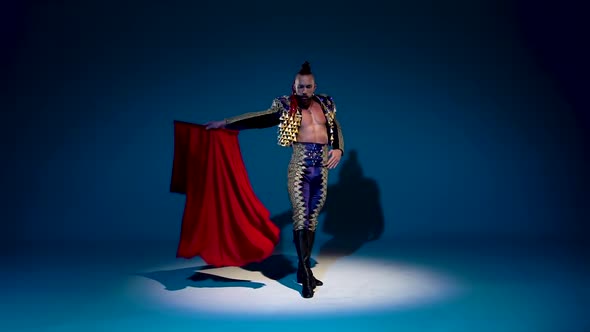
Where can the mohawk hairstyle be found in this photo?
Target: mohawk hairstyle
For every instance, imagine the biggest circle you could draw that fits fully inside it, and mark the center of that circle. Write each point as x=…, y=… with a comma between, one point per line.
x=305, y=69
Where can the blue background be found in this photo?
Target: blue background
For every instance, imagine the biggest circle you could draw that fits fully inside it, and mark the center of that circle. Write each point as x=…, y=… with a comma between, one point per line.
x=469, y=115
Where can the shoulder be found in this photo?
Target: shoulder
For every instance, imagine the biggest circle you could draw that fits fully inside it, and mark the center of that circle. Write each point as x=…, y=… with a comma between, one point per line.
x=282, y=102
x=326, y=100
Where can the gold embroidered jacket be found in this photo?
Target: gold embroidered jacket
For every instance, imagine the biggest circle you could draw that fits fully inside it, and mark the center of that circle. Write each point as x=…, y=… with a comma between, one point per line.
x=278, y=114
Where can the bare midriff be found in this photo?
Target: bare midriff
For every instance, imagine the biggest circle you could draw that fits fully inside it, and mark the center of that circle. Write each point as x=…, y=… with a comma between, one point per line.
x=313, y=125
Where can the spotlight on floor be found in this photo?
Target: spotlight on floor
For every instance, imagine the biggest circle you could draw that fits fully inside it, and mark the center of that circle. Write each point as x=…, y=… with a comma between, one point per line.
x=352, y=285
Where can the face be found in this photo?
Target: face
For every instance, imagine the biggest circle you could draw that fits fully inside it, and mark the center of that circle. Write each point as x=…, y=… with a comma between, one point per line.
x=304, y=85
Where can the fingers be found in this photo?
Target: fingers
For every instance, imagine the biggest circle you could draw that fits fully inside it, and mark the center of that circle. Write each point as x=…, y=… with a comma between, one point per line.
x=334, y=159
x=332, y=162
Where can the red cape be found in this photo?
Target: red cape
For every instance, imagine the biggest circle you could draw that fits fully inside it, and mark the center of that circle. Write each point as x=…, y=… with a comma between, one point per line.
x=223, y=221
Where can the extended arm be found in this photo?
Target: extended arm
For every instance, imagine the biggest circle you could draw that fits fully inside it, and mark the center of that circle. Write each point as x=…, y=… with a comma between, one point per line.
x=263, y=119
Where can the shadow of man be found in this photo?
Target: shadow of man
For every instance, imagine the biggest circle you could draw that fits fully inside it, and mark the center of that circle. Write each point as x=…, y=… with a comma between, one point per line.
x=353, y=214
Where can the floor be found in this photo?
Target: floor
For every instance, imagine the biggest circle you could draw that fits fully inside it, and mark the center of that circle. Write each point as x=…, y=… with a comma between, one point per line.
x=381, y=285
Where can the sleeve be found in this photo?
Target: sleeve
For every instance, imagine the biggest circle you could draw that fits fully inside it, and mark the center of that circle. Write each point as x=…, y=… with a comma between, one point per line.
x=263, y=119
x=338, y=142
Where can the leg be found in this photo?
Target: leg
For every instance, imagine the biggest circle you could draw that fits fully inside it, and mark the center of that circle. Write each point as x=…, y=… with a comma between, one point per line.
x=299, y=193
x=303, y=252
x=307, y=183
x=317, y=197
x=307, y=190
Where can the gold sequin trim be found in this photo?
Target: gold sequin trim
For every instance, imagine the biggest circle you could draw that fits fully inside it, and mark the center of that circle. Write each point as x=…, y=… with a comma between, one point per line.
x=289, y=127
x=339, y=133
x=294, y=183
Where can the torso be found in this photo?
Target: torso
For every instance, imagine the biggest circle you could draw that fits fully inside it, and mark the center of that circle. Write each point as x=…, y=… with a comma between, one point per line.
x=313, y=125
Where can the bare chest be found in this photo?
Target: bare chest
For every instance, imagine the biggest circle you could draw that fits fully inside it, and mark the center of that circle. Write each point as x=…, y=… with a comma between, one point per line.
x=313, y=116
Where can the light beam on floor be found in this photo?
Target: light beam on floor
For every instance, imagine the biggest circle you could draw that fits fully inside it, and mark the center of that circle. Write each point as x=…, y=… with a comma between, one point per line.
x=352, y=285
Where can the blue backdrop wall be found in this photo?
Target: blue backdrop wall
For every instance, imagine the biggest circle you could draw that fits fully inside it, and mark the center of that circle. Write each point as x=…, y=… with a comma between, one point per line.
x=463, y=113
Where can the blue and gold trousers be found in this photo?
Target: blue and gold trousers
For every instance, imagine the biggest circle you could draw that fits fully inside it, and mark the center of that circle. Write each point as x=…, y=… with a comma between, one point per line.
x=307, y=183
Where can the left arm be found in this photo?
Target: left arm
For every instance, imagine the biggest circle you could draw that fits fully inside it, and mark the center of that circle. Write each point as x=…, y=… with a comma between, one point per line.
x=338, y=143
x=337, y=146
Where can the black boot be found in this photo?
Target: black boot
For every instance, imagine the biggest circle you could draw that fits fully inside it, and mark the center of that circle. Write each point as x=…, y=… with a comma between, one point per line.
x=314, y=282
x=301, y=244
x=311, y=240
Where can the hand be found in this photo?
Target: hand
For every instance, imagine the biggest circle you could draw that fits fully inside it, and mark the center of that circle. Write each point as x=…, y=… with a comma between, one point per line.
x=334, y=158
x=215, y=124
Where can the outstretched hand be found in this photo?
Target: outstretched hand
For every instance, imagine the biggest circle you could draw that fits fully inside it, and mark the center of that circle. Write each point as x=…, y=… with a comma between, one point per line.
x=215, y=124
x=334, y=158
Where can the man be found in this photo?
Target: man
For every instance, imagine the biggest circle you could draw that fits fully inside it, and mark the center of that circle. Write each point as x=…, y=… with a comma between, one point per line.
x=308, y=124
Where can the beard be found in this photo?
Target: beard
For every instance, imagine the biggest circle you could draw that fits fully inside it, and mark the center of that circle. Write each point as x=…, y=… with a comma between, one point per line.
x=303, y=101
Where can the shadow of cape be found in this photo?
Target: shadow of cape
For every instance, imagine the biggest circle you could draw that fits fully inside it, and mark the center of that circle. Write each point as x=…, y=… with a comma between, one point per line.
x=278, y=267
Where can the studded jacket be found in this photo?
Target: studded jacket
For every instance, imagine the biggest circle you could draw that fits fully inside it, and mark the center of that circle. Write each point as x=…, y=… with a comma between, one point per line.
x=278, y=114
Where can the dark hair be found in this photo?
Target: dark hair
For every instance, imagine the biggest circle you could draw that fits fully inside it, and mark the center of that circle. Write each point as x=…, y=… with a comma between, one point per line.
x=305, y=69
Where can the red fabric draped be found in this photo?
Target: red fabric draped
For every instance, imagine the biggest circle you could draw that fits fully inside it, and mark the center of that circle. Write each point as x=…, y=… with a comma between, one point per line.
x=223, y=222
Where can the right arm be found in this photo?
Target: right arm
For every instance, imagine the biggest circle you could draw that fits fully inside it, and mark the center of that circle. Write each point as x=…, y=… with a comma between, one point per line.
x=263, y=119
